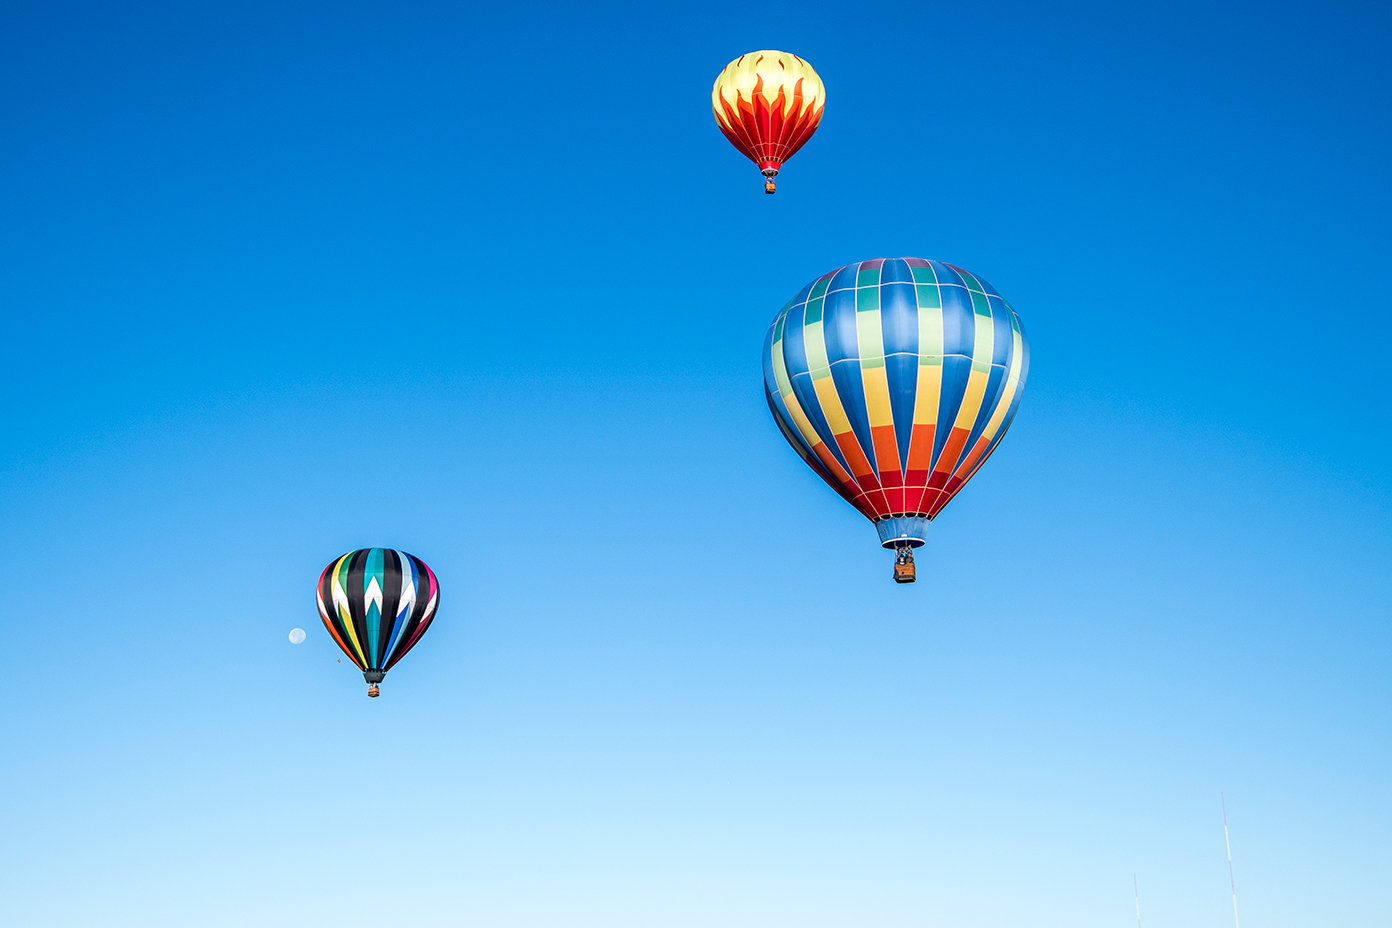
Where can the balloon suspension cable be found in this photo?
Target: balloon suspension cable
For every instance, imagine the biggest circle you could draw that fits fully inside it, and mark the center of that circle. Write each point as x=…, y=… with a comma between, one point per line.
x=373, y=691
x=904, y=570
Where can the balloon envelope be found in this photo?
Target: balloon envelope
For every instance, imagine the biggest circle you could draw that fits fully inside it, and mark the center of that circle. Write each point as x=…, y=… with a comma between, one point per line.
x=895, y=379
x=377, y=603
x=768, y=104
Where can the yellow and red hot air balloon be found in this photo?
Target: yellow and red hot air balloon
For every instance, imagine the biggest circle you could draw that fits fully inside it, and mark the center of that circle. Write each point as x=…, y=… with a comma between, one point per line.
x=768, y=104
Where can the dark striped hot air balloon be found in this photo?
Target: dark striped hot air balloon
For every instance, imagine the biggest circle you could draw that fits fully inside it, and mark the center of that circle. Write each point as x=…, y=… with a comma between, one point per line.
x=376, y=604
x=895, y=379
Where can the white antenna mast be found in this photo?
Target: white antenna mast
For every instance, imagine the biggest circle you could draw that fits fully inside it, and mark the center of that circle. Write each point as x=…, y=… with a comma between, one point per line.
x=1228, y=841
x=1137, y=888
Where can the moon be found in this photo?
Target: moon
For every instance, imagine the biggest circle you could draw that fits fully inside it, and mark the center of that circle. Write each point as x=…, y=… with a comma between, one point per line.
x=296, y=635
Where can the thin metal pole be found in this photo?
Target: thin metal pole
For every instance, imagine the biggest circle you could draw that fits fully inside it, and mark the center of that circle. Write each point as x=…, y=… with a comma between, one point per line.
x=1228, y=841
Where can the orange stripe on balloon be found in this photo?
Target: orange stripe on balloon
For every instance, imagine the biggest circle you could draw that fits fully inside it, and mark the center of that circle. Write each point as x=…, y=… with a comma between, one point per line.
x=887, y=453
x=920, y=453
x=970, y=463
x=850, y=450
x=920, y=465
x=952, y=451
x=964, y=475
x=864, y=473
x=826, y=457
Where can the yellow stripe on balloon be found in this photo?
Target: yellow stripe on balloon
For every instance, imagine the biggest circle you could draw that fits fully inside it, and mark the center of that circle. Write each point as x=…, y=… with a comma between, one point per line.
x=929, y=392
x=983, y=347
x=877, y=404
x=785, y=390
x=814, y=344
x=930, y=354
x=347, y=621
x=971, y=400
x=830, y=401
x=870, y=343
x=341, y=604
x=800, y=419
x=1012, y=384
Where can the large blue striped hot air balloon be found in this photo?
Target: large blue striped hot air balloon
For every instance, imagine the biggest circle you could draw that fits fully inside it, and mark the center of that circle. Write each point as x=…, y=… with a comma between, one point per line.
x=377, y=603
x=895, y=379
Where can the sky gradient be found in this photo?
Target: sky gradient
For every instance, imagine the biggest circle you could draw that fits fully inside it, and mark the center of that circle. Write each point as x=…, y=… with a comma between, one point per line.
x=488, y=285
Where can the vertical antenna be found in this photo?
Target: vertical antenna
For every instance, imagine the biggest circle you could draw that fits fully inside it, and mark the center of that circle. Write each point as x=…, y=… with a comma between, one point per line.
x=1226, y=840
x=1137, y=888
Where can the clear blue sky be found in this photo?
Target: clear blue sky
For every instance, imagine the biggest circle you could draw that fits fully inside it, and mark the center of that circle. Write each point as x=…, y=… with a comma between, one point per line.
x=488, y=285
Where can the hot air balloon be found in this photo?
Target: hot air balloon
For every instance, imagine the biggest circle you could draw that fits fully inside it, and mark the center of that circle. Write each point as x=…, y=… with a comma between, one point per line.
x=377, y=603
x=895, y=379
x=768, y=104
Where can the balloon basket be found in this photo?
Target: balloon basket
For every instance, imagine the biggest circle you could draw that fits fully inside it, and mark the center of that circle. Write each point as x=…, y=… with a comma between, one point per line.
x=904, y=570
x=373, y=691
x=769, y=187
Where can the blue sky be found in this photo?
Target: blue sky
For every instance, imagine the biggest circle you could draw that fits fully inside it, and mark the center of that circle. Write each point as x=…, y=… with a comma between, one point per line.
x=490, y=286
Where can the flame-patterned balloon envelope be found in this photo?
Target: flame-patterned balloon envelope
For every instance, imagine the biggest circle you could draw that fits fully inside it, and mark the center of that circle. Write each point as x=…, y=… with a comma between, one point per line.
x=895, y=379
x=377, y=603
x=768, y=103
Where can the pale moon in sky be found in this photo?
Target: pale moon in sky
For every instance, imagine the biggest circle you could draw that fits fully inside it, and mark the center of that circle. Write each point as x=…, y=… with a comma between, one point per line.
x=296, y=635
